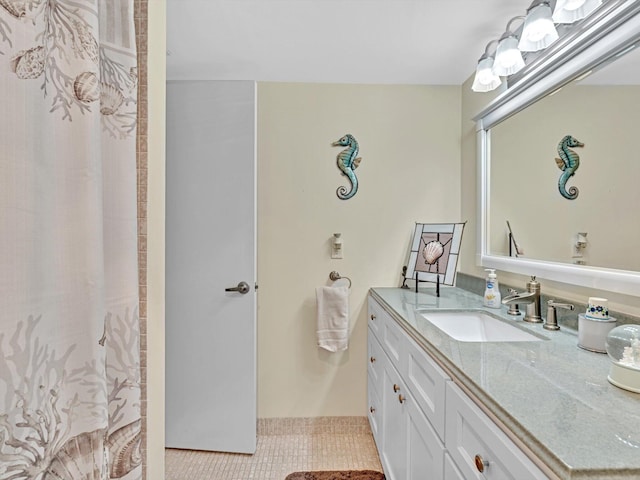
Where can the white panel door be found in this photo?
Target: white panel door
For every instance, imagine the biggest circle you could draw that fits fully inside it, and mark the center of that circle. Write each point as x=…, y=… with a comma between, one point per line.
x=211, y=245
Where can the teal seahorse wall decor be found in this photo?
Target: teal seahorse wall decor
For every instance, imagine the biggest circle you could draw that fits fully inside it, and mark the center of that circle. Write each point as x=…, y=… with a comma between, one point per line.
x=568, y=162
x=348, y=161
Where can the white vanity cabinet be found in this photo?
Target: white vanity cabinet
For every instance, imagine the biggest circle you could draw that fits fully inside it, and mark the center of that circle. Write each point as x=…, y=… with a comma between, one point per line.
x=425, y=426
x=410, y=447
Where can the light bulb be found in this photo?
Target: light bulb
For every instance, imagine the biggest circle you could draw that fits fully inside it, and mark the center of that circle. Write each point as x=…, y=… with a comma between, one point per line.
x=539, y=30
x=573, y=4
x=508, y=58
x=485, y=80
x=569, y=11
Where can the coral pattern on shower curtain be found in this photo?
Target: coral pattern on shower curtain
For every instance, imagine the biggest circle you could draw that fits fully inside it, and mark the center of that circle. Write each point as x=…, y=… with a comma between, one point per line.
x=69, y=333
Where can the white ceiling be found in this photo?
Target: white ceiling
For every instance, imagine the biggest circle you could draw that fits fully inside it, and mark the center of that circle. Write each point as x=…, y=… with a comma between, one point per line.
x=434, y=42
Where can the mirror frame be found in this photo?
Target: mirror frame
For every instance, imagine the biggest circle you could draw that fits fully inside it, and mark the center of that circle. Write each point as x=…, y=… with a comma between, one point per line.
x=611, y=31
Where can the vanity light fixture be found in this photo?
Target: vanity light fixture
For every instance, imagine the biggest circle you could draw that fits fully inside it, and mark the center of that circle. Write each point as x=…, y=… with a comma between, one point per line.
x=538, y=31
x=508, y=58
x=485, y=79
x=569, y=11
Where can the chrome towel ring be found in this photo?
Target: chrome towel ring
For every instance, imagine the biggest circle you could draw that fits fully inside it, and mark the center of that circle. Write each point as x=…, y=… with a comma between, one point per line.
x=336, y=276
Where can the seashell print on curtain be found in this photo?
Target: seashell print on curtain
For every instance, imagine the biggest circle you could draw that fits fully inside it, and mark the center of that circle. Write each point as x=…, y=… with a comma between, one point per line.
x=69, y=333
x=78, y=72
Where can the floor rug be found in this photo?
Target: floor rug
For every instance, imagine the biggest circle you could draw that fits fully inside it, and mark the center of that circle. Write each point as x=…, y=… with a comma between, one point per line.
x=342, y=475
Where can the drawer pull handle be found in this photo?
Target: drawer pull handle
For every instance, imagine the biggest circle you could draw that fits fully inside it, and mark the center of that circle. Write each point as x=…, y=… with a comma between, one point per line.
x=373, y=317
x=401, y=398
x=481, y=463
x=396, y=388
x=372, y=359
x=372, y=410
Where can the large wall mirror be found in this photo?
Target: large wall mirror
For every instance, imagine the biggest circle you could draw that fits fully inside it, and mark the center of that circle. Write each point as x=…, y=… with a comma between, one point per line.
x=586, y=87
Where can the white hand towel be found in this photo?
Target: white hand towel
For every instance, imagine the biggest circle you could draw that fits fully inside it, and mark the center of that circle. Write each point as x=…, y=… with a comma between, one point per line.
x=333, y=318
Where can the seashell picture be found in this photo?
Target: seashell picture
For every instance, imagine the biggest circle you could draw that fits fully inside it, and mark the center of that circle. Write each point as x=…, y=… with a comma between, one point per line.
x=434, y=252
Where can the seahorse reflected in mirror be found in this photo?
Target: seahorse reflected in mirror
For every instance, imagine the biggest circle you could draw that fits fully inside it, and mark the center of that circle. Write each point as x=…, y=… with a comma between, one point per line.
x=568, y=162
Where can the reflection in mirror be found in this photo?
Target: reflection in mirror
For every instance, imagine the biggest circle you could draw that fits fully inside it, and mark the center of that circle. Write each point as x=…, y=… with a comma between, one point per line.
x=527, y=188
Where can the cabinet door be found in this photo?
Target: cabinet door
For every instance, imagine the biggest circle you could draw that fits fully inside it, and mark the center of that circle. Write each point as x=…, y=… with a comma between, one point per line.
x=426, y=381
x=451, y=472
x=426, y=451
x=393, y=341
x=375, y=358
x=394, y=425
x=374, y=413
x=375, y=365
x=470, y=433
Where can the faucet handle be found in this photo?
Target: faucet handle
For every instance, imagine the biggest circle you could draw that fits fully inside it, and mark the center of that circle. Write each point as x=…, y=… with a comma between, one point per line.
x=554, y=304
x=551, y=323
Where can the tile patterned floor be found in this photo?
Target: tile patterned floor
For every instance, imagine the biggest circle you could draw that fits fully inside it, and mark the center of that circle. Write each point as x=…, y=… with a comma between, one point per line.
x=284, y=446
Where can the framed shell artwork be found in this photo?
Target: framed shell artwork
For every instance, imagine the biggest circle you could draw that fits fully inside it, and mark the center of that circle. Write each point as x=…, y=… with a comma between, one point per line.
x=435, y=248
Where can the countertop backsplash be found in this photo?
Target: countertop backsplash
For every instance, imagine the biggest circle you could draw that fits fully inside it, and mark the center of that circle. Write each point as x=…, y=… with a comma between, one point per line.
x=566, y=318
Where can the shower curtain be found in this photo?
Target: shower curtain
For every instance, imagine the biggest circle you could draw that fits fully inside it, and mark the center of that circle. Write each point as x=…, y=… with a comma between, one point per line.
x=69, y=335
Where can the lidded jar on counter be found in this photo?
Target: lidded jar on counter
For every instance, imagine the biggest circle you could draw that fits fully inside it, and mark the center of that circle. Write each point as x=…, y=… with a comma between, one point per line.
x=623, y=348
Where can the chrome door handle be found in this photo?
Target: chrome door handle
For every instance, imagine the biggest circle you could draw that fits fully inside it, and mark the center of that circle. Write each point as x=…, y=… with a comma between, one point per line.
x=243, y=287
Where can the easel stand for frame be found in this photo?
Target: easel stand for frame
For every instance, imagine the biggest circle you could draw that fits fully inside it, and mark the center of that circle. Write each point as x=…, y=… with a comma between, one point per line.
x=417, y=281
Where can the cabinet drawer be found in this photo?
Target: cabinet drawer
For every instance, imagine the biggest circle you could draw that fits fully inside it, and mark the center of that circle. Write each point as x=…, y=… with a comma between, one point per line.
x=375, y=358
x=374, y=318
x=470, y=432
x=426, y=381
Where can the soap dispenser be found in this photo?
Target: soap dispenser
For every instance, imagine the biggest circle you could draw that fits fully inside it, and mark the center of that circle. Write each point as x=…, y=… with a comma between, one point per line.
x=492, y=291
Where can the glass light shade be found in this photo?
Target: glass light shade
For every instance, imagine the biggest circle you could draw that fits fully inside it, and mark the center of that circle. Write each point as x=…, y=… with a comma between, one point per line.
x=569, y=11
x=485, y=80
x=508, y=57
x=539, y=30
x=623, y=348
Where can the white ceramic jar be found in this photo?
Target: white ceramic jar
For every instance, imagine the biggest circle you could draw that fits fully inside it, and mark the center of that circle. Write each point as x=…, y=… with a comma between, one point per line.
x=592, y=332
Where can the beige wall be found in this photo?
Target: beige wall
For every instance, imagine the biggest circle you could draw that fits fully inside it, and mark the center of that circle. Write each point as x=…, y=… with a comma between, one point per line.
x=409, y=140
x=472, y=103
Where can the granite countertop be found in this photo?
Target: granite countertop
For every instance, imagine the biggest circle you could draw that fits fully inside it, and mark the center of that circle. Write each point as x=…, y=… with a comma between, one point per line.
x=551, y=395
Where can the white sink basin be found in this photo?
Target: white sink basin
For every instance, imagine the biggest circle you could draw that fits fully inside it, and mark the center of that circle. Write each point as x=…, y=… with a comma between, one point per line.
x=476, y=326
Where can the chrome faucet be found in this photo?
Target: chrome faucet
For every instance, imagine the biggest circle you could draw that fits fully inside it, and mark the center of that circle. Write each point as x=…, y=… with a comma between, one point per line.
x=551, y=323
x=530, y=298
x=513, y=307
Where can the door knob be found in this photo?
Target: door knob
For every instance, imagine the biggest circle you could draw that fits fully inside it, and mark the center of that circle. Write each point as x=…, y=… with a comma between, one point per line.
x=243, y=287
